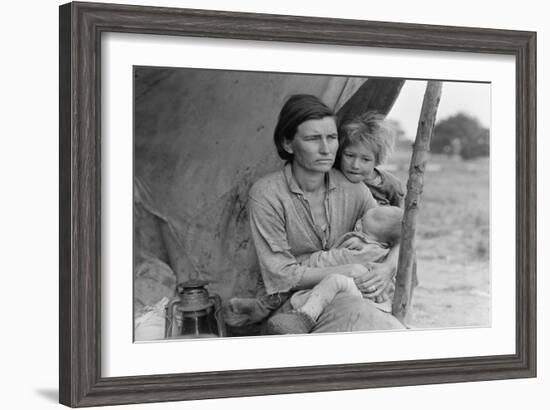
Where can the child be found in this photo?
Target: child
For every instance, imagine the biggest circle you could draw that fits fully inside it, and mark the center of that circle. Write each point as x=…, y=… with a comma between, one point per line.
x=365, y=143
x=382, y=228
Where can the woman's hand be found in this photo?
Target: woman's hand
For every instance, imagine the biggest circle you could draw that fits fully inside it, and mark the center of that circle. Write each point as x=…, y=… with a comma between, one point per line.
x=376, y=281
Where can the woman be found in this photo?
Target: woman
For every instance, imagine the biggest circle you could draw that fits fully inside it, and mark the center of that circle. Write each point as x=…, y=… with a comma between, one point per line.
x=305, y=208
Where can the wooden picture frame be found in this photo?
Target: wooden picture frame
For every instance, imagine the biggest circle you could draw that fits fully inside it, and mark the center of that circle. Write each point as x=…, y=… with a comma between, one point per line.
x=81, y=27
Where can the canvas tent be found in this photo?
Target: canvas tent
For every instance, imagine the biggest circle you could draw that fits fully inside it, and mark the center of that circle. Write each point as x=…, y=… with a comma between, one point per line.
x=201, y=138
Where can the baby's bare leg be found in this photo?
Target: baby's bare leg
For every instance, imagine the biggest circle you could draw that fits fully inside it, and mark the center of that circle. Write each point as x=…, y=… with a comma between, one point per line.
x=308, y=307
x=324, y=292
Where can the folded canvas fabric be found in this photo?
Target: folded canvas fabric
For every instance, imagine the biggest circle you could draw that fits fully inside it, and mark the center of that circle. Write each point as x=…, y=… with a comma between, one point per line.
x=150, y=324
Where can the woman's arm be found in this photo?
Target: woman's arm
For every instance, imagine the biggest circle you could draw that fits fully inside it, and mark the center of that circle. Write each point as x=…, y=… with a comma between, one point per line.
x=382, y=274
x=312, y=276
x=280, y=269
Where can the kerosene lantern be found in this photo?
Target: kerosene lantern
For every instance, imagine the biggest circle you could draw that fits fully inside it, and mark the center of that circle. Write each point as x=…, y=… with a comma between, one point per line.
x=195, y=313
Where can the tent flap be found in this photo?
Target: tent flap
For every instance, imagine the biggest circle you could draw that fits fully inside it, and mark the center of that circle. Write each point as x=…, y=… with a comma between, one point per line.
x=202, y=137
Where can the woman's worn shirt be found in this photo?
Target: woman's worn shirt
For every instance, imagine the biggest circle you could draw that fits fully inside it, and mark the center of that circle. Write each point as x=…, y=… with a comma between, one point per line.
x=283, y=227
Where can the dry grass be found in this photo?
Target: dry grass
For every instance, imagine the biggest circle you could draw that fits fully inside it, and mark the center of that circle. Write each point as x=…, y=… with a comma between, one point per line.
x=452, y=243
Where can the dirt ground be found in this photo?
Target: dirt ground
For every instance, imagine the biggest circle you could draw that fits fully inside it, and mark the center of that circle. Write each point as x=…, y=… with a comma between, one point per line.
x=452, y=243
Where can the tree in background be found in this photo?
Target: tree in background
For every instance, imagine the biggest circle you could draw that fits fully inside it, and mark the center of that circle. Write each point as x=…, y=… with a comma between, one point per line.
x=460, y=135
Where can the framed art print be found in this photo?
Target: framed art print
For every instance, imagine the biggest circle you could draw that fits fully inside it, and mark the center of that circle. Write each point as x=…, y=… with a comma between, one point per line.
x=187, y=234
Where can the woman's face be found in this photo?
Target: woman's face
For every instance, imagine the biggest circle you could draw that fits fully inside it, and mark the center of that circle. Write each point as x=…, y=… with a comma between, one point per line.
x=314, y=145
x=357, y=162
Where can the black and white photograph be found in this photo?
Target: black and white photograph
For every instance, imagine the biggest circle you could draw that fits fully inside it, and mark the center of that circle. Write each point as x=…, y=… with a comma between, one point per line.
x=269, y=203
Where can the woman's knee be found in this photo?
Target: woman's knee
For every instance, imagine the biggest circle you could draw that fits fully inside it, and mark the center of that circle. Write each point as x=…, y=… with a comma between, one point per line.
x=347, y=314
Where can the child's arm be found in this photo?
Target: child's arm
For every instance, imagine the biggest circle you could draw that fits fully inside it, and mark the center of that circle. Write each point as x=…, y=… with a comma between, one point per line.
x=398, y=200
x=394, y=189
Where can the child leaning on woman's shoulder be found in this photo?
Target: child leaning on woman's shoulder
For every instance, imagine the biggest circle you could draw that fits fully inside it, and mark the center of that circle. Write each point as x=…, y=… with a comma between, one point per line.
x=366, y=142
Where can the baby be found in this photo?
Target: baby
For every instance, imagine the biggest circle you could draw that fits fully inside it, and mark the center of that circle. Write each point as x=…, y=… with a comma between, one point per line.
x=382, y=227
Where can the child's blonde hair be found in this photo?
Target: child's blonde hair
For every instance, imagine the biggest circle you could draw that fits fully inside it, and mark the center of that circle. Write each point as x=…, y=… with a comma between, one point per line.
x=371, y=129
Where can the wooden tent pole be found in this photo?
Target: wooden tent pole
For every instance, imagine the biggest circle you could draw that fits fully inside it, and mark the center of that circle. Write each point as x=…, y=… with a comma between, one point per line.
x=403, y=286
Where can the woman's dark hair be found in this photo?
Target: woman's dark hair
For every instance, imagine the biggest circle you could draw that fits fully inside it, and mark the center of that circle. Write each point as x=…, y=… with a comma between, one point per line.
x=298, y=109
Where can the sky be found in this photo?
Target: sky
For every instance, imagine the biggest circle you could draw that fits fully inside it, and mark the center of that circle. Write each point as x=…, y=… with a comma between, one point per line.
x=473, y=99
